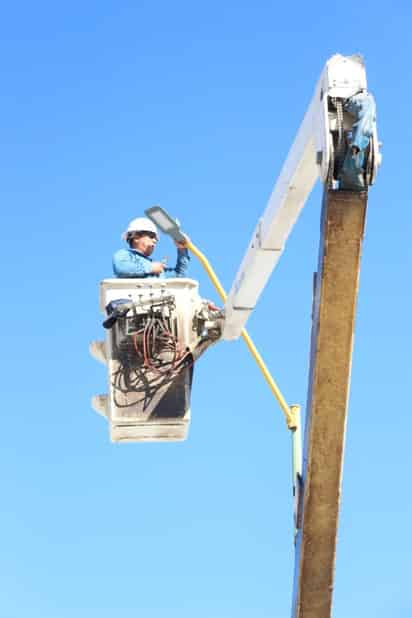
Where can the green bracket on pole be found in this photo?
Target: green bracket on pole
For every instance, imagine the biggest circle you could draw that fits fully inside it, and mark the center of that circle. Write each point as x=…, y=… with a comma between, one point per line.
x=297, y=468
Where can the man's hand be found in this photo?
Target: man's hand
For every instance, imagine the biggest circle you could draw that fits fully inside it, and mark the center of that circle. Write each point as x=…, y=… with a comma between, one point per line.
x=157, y=268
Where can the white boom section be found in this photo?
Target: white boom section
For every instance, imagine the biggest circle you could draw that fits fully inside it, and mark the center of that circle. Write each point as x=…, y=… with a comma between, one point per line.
x=308, y=159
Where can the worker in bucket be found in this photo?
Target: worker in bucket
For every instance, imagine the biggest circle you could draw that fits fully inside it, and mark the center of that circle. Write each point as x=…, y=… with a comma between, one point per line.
x=136, y=261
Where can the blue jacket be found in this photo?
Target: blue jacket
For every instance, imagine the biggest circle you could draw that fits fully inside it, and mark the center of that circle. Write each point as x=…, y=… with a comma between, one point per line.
x=129, y=263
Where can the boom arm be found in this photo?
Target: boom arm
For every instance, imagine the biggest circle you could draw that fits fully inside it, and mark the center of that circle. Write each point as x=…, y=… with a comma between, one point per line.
x=337, y=142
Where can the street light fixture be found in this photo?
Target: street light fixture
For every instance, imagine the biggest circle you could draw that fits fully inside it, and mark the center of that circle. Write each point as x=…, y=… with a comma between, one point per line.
x=165, y=222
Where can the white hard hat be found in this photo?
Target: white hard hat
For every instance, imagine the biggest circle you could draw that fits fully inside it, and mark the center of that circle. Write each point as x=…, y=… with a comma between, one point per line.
x=141, y=224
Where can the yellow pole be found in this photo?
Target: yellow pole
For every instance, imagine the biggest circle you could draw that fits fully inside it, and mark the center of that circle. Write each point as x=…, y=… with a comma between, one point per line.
x=289, y=412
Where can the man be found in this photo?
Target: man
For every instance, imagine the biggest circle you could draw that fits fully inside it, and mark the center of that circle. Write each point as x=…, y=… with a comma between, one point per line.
x=142, y=237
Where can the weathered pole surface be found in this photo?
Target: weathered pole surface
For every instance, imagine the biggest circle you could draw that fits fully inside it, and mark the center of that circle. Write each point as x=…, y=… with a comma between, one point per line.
x=333, y=320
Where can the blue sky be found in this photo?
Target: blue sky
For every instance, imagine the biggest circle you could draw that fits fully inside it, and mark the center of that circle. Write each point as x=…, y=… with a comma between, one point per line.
x=107, y=108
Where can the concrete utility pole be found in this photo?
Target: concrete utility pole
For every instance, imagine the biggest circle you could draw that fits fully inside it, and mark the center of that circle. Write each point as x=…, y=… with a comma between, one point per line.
x=333, y=320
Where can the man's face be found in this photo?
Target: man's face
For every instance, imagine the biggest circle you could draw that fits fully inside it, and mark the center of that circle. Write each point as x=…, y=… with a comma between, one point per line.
x=145, y=243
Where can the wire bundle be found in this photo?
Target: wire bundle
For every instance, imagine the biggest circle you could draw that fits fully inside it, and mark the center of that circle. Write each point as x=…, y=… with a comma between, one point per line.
x=159, y=348
x=161, y=358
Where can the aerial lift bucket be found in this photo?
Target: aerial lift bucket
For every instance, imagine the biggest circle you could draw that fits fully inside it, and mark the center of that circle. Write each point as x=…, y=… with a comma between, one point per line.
x=155, y=330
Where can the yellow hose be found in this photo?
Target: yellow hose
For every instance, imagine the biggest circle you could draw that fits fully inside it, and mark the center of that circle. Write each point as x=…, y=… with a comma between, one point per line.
x=289, y=412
